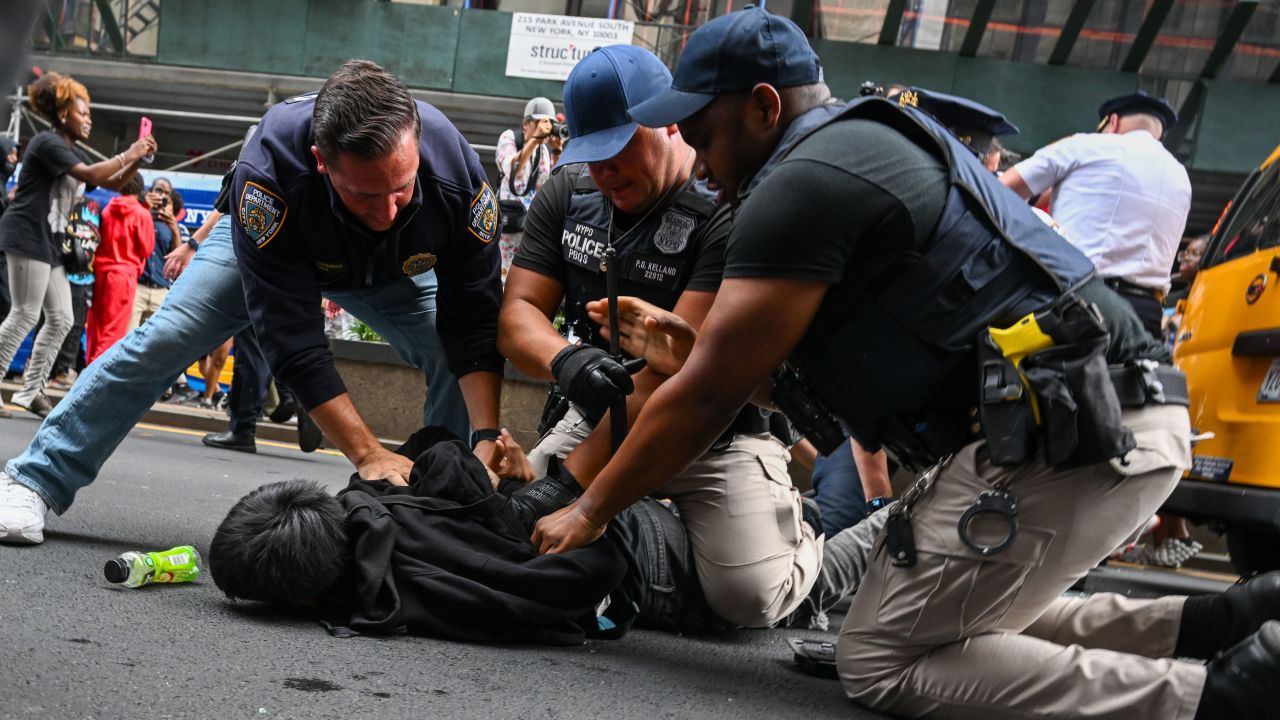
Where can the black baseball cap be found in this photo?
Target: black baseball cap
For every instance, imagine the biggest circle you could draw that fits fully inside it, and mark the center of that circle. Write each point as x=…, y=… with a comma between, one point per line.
x=1139, y=102
x=733, y=53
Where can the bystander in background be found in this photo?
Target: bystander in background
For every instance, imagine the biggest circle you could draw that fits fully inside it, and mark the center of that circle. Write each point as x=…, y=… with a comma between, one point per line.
x=524, y=160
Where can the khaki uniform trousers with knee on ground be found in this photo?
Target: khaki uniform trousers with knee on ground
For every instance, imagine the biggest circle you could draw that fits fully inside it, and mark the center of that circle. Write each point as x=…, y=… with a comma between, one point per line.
x=962, y=636
x=756, y=558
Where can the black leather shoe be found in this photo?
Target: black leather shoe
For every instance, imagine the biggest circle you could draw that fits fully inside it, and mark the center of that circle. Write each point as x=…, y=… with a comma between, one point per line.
x=1213, y=623
x=309, y=435
x=230, y=441
x=1244, y=684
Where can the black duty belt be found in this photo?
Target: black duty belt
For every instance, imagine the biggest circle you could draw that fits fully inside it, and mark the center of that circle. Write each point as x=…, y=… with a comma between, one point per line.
x=1146, y=383
x=1124, y=287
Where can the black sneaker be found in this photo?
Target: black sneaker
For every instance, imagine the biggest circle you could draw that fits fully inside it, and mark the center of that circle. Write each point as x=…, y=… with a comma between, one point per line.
x=284, y=411
x=815, y=657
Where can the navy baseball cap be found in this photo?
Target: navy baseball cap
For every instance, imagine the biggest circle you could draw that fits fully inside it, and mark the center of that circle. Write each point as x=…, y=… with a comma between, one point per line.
x=597, y=94
x=733, y=53
x=1139, y=102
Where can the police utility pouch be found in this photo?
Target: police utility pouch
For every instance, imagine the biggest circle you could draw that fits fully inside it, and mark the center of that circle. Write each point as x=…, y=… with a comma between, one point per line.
x=1079, y=409
x=1004, y=406
x=1047, y=377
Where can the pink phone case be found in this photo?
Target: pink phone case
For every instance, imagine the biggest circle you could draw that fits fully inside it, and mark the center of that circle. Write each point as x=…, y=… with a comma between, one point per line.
x=144, y=127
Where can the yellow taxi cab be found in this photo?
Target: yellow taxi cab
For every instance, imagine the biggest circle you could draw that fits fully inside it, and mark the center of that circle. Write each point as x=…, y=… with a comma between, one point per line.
x=1228, y=344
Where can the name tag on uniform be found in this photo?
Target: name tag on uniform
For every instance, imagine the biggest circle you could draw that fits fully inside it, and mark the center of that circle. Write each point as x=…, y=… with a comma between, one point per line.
x=582, y=244
x=654, y=270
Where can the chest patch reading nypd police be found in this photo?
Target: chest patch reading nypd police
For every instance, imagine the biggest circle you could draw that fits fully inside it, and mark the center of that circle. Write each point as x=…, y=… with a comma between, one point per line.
x=582, y=244
x=482, y=218
x=673, y=234
x=654, y=270
x=262, y=213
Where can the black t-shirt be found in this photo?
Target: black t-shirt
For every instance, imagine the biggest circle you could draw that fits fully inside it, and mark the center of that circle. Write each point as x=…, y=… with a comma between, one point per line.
x=854, y=186
x=540, y=247
x=44, y=196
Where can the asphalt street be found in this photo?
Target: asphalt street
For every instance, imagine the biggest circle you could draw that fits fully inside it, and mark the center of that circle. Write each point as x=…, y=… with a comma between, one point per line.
x=75, y=646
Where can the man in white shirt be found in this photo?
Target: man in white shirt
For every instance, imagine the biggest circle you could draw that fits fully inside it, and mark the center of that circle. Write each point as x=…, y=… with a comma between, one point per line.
x=1120, y=196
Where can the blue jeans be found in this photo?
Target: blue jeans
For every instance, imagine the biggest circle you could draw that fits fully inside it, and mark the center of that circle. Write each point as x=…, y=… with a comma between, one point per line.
x=205, y=307
x=837, y=488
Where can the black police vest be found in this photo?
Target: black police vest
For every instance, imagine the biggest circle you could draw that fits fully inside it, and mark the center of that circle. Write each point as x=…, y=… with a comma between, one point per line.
x=656, y=257
x=900, y=355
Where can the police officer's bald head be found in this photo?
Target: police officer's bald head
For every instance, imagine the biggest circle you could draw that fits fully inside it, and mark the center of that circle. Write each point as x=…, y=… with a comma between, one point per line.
x=363, y=110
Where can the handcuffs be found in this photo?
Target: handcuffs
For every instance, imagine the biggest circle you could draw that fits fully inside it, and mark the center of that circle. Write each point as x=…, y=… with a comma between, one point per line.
x=997, y=501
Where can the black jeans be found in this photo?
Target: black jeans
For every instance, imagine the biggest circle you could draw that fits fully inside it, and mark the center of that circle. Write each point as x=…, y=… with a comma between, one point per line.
x=71, y=355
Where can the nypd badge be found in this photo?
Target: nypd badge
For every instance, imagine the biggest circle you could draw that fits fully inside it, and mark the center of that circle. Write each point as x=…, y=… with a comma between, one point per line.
x=418, y=264
x=262, y=212
x=483, y=220
x=673, y=234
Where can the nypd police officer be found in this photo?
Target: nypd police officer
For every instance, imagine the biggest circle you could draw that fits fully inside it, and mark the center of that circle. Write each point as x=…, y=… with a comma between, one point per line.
x=1120, y=196
x=915, y=293
x=633, y=189
x=354, y=193
x=361, y=193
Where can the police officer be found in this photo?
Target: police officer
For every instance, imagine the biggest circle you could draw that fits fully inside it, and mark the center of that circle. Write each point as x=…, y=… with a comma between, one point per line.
x=850, y=482
x=354, y=193
x=1120, y=196
x=633, y=189
x=873, y=249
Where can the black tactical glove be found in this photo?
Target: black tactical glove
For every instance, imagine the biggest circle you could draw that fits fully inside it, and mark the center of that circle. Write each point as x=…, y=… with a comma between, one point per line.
x=590, y=378
x=545, y=495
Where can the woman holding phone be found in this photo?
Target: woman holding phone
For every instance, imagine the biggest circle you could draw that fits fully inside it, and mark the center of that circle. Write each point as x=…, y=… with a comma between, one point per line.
x=30, y=230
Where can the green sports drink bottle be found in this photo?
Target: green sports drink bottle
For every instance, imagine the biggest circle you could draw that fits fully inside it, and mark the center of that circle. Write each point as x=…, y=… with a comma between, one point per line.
x=135, y=569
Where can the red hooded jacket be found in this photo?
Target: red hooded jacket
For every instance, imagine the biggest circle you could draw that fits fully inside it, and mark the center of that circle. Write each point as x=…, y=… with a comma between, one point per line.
x=128, y=235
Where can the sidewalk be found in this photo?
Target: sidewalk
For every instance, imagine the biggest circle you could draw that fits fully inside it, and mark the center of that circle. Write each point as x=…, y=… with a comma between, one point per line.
x=188, y=417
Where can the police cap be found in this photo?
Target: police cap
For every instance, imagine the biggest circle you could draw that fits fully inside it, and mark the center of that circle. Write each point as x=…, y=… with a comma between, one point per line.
x=971, y=121
x=1139, y=102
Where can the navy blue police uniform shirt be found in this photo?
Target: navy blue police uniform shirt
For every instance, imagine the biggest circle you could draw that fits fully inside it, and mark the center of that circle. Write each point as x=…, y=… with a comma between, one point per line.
x=294, y=239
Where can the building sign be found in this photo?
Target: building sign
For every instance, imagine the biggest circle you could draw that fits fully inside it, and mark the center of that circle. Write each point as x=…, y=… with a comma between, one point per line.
x=546, y=47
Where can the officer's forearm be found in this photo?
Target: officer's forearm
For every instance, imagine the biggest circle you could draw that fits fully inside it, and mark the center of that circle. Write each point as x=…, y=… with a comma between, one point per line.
x=677, y=425
x=873, y=468
x=527, y=338
x=338, y=419
x=482, y=392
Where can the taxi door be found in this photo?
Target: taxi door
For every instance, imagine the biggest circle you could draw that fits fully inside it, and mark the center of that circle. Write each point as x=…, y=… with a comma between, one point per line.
x=1229, y=341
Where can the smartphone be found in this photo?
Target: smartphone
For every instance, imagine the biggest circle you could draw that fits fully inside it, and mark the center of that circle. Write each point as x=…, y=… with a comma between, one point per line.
x=144, y=129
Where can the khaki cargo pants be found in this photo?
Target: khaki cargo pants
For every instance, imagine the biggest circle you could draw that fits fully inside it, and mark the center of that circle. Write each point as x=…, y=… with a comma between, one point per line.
x=961, y=636
x=756, y=559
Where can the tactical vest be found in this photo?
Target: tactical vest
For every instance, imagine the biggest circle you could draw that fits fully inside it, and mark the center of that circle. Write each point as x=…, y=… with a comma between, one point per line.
x=898, y=363
x=656, y=256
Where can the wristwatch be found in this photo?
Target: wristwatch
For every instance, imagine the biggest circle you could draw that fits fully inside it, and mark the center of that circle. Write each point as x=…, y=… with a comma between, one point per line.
x=483, y=434
x=876, y=503
x=193, y=243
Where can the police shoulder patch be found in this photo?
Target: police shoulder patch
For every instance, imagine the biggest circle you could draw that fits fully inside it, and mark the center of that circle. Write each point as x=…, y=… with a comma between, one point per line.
x=262, y=213
x=482, y=218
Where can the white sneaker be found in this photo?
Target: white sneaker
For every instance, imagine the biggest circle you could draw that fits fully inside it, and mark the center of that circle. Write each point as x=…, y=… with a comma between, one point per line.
x=22, y=513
